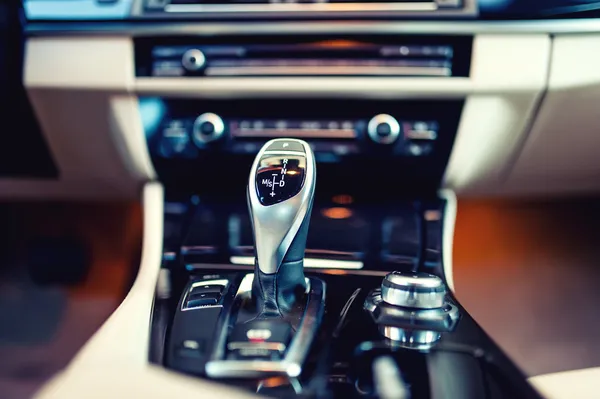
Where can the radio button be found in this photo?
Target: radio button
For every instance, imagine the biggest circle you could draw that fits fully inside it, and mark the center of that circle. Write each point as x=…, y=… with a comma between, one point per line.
x=283, y=145
x=193, y=60
x=383, y=129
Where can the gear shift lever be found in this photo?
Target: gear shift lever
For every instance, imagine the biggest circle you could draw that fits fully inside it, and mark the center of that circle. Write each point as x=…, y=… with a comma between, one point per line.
x=280, y=197
x=276, y=320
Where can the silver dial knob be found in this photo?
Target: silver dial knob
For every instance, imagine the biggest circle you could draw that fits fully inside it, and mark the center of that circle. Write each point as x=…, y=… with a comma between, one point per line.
x=413, y=290
x=208, y=127
x=193, y=60
x=383, y=129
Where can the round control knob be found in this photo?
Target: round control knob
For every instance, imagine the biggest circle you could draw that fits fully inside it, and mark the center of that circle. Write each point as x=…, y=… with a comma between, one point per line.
x=208, y=127
x=193, y=60
x=413, y=290
x=383, y=129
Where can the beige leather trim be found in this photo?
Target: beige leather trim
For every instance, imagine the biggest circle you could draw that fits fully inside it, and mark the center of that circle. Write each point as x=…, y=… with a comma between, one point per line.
x=561, y=152
x=150, y=382
x=114, y=362
x=124, y=338
x=492, y=127
x=128, y=135
x=82, y=63
x=580, y=384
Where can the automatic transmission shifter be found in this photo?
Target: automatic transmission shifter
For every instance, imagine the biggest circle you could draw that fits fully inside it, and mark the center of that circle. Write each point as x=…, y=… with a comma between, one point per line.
x=280, y=197
x=268, y=329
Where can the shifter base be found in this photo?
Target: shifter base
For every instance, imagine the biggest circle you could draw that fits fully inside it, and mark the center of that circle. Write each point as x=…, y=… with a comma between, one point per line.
x=263, y=355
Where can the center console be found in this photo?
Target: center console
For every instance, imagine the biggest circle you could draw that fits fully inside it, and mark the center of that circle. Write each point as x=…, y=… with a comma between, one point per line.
x=303, y=250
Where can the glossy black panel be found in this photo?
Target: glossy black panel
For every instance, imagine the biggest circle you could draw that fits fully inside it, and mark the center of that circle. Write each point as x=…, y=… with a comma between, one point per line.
x=381, y=236
x=351, y=54
x=279, y=178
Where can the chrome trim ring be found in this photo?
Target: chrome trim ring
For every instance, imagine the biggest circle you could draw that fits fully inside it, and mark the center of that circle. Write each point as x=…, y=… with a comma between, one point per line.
x=201, y=138
x=383, y=119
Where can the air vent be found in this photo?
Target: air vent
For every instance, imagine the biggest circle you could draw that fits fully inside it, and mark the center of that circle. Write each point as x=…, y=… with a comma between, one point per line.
x=414, y=56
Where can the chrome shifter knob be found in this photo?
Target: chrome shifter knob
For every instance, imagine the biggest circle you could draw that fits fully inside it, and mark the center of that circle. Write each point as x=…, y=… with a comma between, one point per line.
x=280, y=196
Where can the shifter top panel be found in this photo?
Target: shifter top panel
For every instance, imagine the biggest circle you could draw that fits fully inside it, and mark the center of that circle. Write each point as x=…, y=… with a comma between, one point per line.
x=279, y=177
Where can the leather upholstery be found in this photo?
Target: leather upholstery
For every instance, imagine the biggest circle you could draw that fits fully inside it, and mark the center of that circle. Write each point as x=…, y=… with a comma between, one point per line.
x=275, y=294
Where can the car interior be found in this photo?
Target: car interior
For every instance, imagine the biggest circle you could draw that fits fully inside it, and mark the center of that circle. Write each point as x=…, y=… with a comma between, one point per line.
x=299, y=198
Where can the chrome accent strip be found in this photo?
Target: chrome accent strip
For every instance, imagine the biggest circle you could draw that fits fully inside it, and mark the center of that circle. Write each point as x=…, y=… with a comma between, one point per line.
x=411, y=339
x=167, y=28
x=438, y=319
x=331, y=271
x=326, y=70
x=274, y=346
x=283, y=152
x=291, y=365
x=222, y=282
x=308, y=263
x=299, y=7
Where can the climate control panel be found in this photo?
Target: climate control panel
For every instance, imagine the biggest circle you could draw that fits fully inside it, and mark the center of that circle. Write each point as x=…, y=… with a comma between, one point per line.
x=411, y=137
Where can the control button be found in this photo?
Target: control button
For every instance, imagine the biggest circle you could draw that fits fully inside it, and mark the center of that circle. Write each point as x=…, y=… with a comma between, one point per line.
x=283, y=145
x=192, y=349
x=255, y=353
x=193, y=60
x=207, y=289
x=383, y=129
x=208, y=127
x=195, y=300
x=413, y=290
x=420, y=131
x=419, y=150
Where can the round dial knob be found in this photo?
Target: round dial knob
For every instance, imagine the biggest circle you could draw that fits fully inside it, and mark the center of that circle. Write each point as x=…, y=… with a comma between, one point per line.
x=383, y=129
x=413, y=290
x=193, y=60
x=208, y=127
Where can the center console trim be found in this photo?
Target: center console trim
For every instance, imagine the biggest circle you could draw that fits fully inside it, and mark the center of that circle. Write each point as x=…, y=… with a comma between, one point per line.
x=309, y=263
